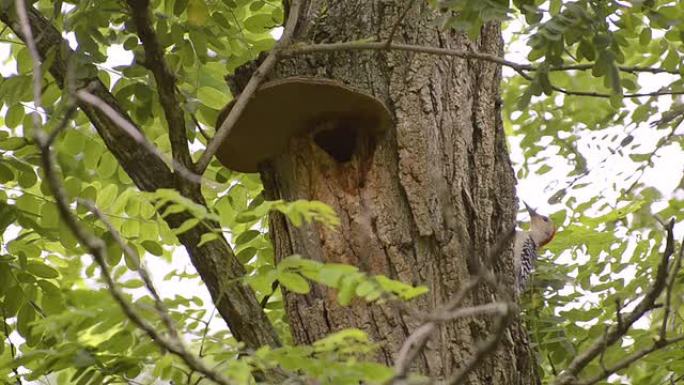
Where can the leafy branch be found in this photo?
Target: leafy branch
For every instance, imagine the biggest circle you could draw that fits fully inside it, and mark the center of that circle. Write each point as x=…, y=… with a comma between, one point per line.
x=520, y=68
x=92, y=243
x=625, y=322
x=215, y=262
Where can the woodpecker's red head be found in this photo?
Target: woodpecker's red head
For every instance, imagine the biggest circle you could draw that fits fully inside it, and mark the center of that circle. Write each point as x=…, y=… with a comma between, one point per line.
x=542, y=228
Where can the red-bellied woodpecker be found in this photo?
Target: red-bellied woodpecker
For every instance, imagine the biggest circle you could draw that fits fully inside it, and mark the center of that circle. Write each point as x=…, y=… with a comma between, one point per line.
x=527, y=243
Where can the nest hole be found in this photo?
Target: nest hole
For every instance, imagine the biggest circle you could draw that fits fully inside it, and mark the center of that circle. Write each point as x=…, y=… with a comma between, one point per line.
x=338, y=139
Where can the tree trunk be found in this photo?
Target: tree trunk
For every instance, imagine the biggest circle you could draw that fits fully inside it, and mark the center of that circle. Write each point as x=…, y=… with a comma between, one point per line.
x=423, y=204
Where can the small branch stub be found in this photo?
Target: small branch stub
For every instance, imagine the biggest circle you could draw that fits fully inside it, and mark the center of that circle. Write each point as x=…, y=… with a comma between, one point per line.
x=332, y=112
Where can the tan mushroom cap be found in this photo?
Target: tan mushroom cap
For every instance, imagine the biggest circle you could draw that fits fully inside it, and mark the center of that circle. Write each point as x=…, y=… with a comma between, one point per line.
x=292, y=106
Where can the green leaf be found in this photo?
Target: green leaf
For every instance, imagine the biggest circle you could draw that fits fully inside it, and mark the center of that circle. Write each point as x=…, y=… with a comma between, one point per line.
x=152, y=247
x=187, y=225
x=246, y=254
x=42, y=270
x=132, y=284
x=645, y=36
x=6, y=173
x=246, y=236
x=347, y=289
x=106, y=196
x=672, y=60
x=12, y=143
x=331, y=273
x=14, y=298
x=106, y=167
x=49, y=215
x=260, y=23
x=74, y=142
x=14, y=115
x=293, y=282
x=213, y=98
x=207, y=237
x=198, y=12
x=25, y=317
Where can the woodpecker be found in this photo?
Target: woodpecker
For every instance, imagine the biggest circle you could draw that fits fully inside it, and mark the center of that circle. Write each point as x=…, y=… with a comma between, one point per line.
x=527, y=243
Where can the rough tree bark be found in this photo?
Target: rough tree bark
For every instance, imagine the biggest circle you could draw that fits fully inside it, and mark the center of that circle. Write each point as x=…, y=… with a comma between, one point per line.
x=424, y=204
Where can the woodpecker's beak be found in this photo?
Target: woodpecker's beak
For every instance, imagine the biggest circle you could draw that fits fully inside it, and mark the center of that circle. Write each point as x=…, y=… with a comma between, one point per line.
x=530, y=209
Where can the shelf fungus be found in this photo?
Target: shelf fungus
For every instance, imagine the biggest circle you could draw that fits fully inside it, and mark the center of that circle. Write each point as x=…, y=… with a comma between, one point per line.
x=333, y=114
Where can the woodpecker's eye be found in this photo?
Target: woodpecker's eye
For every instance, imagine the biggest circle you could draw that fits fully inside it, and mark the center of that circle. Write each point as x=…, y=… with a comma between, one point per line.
x=546, y=219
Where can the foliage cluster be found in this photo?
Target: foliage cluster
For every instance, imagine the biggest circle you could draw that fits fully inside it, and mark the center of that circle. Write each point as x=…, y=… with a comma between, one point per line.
x=589, y=57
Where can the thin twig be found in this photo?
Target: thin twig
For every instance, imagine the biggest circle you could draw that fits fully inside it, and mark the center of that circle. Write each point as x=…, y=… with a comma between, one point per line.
x=397, y=23
x=241, y=102
x=618, y=314
x=606, y=96
x=71, y=110
x=97, y=249
x=142, y=270
x=274, y=287
x=13, y=349
x=588, y=66
x=199, y=127
x=488, y=308
x=35, y=59
x=206, y=331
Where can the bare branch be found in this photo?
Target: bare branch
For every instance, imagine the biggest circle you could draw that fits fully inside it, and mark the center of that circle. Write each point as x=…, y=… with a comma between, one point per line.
x=97, y=249
x=155, y=174
x=614, y=333
x=214, y=261
x=251, y=87
x=489, y=308
x=366, y=45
